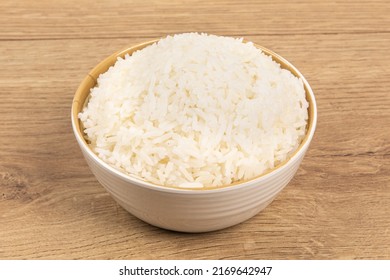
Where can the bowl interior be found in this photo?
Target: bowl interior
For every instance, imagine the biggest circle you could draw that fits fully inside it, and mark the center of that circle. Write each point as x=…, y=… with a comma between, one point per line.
x=83, y=91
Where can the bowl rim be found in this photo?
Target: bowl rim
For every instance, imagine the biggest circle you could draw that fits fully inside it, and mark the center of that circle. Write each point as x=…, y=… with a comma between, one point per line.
x=83, y=91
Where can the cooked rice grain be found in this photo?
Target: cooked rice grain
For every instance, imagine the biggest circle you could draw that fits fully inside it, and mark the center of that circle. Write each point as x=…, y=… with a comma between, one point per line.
x=195, y=110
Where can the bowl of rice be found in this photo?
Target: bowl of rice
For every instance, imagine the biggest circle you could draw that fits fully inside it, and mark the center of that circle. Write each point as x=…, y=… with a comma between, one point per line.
x=194, y=132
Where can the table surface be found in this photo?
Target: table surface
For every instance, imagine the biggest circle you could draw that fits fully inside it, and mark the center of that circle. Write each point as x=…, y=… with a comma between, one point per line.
x=336, y=207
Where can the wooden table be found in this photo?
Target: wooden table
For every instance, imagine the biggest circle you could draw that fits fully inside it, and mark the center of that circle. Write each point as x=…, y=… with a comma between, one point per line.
x=337, y=206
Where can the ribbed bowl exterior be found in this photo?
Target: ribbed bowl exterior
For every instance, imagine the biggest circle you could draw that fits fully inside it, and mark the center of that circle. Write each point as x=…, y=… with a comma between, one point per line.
x=190, y=210
x=194, y=211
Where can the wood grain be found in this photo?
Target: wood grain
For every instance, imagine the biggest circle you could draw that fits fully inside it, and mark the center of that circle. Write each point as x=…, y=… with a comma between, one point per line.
x=336, y=207
x=139, y=18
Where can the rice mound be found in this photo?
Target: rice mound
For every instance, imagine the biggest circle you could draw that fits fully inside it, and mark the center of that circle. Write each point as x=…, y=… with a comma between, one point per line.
x=195, y=110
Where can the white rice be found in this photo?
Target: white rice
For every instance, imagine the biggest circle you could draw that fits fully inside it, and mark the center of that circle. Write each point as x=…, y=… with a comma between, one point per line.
x=196, y=110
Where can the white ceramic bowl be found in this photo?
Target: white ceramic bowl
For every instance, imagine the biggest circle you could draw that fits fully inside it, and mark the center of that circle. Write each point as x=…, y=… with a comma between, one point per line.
x=190, y=210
